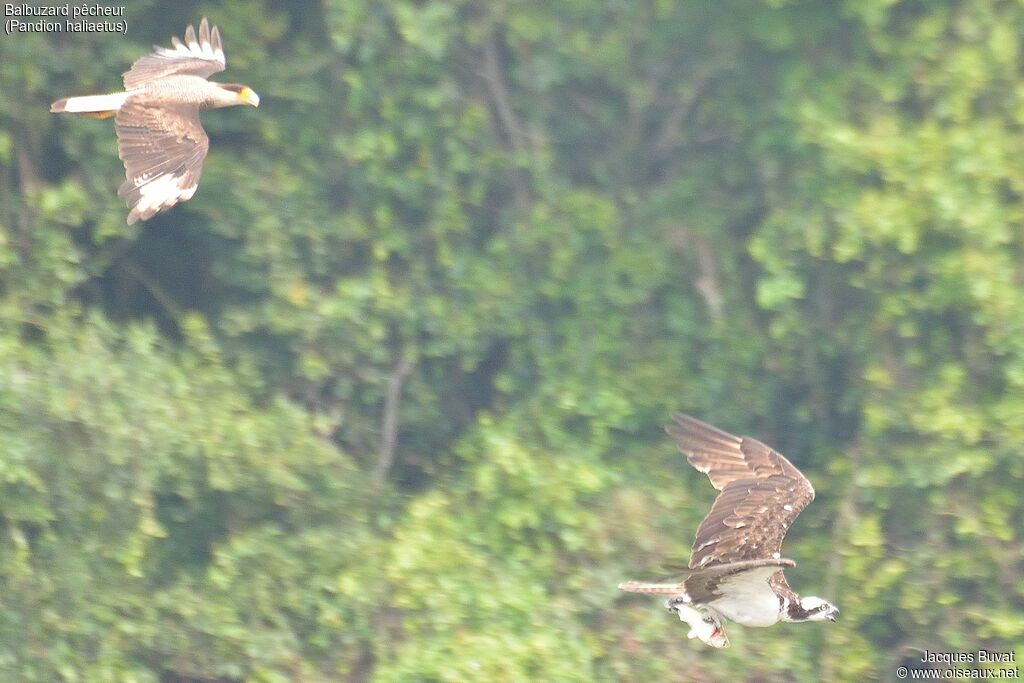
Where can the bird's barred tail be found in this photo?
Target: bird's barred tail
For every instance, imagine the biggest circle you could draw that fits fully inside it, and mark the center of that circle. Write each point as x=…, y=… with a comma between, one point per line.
x=96, y=105
x=651, y=588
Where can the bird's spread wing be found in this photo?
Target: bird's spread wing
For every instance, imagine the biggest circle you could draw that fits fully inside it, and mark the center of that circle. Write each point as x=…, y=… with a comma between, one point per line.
x=163, y=149
x=200, y=57
x=781, y=587
x=737, y=578
x=703, y=585
x=761, y=493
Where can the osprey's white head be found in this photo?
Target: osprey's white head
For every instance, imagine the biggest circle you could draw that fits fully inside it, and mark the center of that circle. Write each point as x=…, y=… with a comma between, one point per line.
x=816, y=609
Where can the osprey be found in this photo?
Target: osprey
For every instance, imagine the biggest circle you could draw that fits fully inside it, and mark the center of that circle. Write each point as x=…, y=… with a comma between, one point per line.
x=735, y=569
x=159, y=136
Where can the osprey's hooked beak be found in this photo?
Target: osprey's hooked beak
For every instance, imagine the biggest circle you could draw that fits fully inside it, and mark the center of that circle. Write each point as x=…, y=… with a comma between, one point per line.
x=249, y=96
x=833, y=616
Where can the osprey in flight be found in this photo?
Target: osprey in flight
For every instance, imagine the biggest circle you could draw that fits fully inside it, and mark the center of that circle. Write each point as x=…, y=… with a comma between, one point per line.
x=735, y=569
x=159, y=136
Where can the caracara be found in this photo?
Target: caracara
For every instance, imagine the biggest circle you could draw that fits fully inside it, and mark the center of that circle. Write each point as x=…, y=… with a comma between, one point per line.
x=159, y=136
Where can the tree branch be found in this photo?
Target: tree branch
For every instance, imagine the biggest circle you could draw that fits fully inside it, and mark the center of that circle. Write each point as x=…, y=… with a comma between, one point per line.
x=165, y=300
x=494, y=80
x=389, y=424
x=669, y=137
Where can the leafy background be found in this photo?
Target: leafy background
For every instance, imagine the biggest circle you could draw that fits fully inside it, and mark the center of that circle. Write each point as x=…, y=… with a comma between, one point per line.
x=383, y=401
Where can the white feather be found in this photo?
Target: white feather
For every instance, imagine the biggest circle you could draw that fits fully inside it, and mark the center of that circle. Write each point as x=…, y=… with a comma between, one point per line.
x=89, y=103
x=193, y=49
x=162, y=192
x=747, y=598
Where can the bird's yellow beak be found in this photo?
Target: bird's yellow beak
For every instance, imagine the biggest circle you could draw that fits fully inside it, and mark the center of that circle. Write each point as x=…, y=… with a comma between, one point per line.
x=248, y=96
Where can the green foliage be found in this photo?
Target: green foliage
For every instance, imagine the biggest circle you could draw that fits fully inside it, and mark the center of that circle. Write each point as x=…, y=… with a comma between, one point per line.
x=383, y=401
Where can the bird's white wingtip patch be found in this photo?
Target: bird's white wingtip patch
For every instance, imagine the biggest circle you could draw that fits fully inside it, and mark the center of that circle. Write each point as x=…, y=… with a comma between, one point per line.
x=192, y=48
x=160, y=193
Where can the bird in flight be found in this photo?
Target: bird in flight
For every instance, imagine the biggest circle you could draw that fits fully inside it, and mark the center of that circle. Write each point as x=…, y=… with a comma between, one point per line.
x=159, y=136
x=735, y=569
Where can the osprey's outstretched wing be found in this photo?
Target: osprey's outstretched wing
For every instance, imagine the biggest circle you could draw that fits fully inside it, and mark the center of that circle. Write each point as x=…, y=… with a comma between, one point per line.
x=194, y=57
x=761, y=494
x=702, y=586
x=739, y=579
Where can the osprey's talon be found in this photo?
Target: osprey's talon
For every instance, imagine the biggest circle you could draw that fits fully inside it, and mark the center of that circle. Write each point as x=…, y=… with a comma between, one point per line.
x=672, y=603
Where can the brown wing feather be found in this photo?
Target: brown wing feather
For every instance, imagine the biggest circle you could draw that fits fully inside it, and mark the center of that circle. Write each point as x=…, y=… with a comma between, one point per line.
x=781, y=587
x=761, y=493
x=200, y=57
x=155, y=142
x=702, y=585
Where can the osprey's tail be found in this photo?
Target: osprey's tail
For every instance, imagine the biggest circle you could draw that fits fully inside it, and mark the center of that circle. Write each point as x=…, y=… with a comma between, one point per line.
x=98, y=106
x=652, y=588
